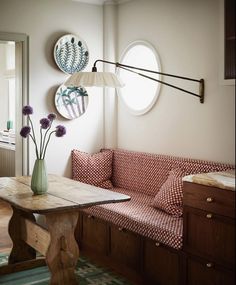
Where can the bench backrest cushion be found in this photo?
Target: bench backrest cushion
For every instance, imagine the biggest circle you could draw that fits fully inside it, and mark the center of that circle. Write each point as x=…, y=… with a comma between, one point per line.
x=146, y=173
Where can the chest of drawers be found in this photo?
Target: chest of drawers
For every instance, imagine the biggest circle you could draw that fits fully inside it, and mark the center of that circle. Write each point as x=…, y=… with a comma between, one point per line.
x=209, y=233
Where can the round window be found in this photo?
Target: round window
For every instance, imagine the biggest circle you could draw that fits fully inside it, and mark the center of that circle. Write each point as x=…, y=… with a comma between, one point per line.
x=140, y=93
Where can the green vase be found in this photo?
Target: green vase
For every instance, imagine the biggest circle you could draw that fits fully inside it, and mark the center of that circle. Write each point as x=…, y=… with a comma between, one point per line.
x=39, y=179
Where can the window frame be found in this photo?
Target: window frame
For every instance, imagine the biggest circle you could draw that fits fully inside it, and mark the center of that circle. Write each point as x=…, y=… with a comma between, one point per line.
x=158, y=88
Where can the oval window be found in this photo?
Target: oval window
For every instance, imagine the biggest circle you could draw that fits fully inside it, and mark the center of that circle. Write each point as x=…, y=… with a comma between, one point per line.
x=140, y=93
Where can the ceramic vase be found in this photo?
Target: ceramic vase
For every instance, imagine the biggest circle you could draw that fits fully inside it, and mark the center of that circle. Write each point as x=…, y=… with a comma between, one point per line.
x=39, y=179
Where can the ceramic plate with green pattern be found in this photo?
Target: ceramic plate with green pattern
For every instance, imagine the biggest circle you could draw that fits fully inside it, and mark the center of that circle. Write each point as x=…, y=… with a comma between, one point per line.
x=71, y=54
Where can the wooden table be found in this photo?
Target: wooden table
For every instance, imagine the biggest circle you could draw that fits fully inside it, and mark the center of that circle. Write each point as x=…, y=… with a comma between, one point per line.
x=56, y=241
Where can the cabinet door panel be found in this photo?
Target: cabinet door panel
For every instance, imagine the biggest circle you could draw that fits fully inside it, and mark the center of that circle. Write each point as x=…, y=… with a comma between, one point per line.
x=161, y=265
x=125, y=247
x=94, y=234
x=199, y=272
x=210, y=235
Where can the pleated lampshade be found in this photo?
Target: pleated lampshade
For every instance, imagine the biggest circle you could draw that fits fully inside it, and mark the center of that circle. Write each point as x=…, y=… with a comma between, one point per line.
x=99, y=79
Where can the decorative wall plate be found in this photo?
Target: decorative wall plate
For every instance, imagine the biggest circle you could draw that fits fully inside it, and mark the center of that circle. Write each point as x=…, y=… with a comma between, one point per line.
x=71, y=102
x=71, y=54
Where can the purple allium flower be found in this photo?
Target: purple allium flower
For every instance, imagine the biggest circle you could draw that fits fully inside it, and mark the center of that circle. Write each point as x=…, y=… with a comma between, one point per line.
x=27, y=110
x=52, y=116
x=25, y=131
x=60, y=131
x=45, y=123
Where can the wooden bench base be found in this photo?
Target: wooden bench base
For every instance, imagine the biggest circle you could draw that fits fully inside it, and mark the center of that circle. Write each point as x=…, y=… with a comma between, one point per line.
x=142, y=260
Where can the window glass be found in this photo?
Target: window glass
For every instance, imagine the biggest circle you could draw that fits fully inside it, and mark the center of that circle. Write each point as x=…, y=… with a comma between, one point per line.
x=140, y=93
x=12, y=101
x=10, y=56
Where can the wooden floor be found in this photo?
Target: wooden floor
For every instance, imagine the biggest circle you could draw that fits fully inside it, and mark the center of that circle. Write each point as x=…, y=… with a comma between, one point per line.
x=5, y=215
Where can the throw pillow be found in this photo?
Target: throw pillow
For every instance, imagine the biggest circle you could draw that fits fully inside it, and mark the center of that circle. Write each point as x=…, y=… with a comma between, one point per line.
x=94, y=169
x=170, y=196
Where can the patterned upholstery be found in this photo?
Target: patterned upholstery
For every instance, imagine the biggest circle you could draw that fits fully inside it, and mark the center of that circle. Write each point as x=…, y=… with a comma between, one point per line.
x=170, y=196
x=94, y=169
x=138, y=216
x=141, y=175
x=145, y=172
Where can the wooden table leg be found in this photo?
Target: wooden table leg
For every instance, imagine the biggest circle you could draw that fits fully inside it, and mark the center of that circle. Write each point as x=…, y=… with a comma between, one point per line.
x=21, y=251
x=63, y=252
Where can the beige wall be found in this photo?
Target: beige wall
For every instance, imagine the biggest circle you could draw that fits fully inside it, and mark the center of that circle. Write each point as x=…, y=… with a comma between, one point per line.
x=45, y=21
x=186, y=33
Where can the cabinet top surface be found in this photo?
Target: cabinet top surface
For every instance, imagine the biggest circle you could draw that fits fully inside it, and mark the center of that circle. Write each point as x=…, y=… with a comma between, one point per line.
x=223, y=179
x=63, y=194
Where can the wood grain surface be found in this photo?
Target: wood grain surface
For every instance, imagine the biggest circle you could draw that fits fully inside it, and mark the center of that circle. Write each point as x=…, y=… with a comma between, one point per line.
x=63, y=194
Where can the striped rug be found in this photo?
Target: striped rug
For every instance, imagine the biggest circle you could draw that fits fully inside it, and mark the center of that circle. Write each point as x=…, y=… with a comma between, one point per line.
x=87, y=274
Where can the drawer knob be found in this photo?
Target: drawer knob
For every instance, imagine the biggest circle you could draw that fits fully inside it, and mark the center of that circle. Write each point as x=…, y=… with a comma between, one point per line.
x=209, y=199
x=157, y=244
x=90, y=216
x=209, y=216
x=209, y=265
x=121, y=229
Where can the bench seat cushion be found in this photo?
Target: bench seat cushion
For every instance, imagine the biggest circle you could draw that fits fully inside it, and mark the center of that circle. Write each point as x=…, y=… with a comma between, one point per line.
x=140, y=217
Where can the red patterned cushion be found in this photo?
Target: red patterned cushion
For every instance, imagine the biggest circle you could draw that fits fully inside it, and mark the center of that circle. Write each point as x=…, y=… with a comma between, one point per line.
x=146, y=172
x=170, y=196
x=94, y=169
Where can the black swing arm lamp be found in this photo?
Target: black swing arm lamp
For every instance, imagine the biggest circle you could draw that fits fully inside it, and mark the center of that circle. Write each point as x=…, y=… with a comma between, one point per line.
x=109, y=79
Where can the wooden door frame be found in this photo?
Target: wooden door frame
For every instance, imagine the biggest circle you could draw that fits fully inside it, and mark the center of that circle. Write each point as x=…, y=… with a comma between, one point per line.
x=22, y=97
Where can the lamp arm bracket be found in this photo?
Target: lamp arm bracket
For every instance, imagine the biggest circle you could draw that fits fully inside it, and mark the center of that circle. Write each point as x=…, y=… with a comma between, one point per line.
x=201, y=82
x=130, y=68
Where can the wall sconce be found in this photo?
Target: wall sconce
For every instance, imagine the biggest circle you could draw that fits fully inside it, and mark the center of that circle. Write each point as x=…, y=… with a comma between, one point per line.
x=109, y=79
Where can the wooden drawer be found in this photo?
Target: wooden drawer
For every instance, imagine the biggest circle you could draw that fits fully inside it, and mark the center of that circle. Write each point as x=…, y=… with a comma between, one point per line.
x=209, y=235
x=161, y=265
x=94, y=234
x=125, y=247
x=205, y=272
x=210, y=199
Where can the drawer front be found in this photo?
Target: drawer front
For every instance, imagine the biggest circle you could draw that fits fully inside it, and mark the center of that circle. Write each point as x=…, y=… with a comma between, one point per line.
x=211, y=199
x=207, y=273
x=209, y=235
x=94, y=234
x=125, y=247
x=161, y=265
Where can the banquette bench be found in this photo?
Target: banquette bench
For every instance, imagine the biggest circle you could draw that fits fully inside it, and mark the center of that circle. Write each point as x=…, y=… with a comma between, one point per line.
x=143, y=236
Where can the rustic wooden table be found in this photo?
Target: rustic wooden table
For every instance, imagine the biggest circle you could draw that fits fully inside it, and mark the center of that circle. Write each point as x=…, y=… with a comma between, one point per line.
x=56, y=241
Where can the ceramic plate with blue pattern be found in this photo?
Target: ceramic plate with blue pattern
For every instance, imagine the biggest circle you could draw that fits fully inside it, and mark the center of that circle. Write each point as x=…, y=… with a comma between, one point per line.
x=71, y=54
x=71, y=102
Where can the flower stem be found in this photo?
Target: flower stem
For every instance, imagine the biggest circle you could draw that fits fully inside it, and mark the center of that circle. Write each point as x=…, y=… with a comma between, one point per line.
x=44, y=138
x=47, y=144
x=37, y=154
x=33, y=137
x=40, y=143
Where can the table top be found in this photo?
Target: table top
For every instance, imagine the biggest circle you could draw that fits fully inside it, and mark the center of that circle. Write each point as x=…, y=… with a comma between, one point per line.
x=222, y=179
x=64, y=194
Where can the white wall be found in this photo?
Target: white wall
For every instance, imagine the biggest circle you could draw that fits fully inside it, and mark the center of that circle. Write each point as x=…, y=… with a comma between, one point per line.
x=45, y=21
x=186, y=35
